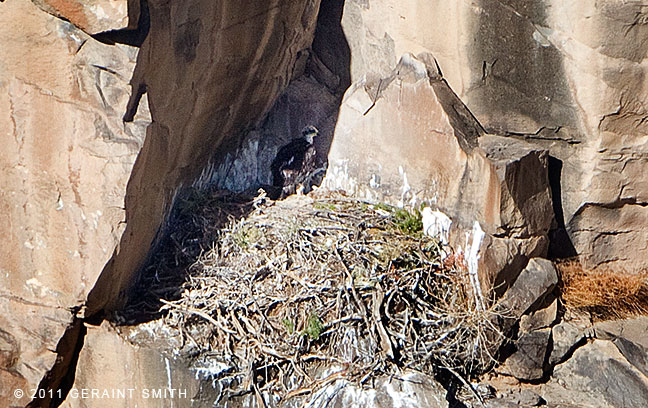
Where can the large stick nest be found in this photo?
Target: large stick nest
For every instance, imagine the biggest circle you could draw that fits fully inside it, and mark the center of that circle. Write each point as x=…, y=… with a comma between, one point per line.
x=302, y=292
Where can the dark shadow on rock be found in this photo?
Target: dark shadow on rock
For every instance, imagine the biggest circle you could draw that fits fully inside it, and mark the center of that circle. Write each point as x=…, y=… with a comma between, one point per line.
x=560, y=245
x=55, y=386
x=330, y=44
x=524, y=86
x=191, y=230
x=137, y=11
x=226, y=191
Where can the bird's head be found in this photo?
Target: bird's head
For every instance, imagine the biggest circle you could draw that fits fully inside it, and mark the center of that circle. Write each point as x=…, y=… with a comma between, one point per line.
x=309, y=132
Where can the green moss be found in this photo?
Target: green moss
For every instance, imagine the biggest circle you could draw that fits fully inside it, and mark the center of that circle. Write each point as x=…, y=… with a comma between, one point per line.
x=289, y=325
x=385, y=207
x=410, y=223
x=319, y=205
x=314, y=327
x=246, y=235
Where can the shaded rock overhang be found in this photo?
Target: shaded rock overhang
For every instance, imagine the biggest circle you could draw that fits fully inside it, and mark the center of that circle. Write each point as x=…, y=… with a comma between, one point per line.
x=209, y=69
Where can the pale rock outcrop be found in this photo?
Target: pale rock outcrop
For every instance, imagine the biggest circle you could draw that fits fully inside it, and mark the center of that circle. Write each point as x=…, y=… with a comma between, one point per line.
x=597, y=375
x=409, y=390
x=407, y=139
x=94, y=16
x=568, y=76
x=65, y=158
x=116, y=372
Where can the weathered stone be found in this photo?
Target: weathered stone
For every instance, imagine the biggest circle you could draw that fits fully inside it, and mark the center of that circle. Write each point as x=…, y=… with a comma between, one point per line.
x=635, y=354
x=597, y=375
x=539, y=319
x=407, y=139
x=94, y=16
x=131, y=375
x=526, y=208
x=565, y=75
x=410, y=390
x=528, y=362
x=631, y=338
x=534, y=282
x=398, y=140
x=634, y=329
x=66, y=158
x=566, y=338
x=517, y=398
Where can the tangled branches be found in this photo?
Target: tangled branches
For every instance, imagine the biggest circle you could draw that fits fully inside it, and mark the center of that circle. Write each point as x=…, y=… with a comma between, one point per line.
x=303, y=292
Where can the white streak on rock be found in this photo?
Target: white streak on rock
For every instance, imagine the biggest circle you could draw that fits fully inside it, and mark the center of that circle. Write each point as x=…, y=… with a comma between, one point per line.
x=406, y=187
x=472, y=258
x=375, y=181
x=209, y=368
x=417, y=66
x=168, y=371
x=436, y=224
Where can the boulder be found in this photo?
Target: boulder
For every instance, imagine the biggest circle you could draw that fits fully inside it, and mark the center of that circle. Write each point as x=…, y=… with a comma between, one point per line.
x=566, y=337
x=597, y=375
x=529, y=361
x=526, y=208
x=540, y=318
x=631, y=338
x=536, y=280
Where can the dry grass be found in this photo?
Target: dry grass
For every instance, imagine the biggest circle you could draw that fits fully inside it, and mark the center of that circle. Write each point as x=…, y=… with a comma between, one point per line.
x=605, y=293
x=307, y=285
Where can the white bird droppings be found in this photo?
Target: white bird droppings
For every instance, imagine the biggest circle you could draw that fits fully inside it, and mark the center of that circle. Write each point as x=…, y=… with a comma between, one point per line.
x=436, y=224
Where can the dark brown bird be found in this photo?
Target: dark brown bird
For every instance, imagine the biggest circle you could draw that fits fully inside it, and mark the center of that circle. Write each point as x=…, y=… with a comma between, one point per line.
x=295, y=164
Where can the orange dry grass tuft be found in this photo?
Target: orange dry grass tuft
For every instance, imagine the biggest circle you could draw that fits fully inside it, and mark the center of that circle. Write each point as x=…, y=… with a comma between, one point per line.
x=604, y=293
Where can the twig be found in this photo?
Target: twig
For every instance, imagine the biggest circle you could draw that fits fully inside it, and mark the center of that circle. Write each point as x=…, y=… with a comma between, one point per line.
x=460, y=378
x=198, y=313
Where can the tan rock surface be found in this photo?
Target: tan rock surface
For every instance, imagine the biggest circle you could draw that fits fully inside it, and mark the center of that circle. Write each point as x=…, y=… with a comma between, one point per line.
x=65, y=160
x=94, y=16
x=408, y=140
x=571, y=76
x=116, y=373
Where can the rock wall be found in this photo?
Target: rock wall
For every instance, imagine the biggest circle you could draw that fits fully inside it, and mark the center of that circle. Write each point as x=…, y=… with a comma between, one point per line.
x=210, y=71
x=65, y=159
x=567, y=76
x=407, y=139
x=568, y=79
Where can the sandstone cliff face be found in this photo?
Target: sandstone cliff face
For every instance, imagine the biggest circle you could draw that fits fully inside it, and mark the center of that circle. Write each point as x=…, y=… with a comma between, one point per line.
x=96, y=16
x=408, y=139
x=65, y=159
x=568, y=76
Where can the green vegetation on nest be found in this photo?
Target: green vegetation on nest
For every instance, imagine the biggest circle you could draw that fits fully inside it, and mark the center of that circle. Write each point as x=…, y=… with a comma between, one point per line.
x=314, y=327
